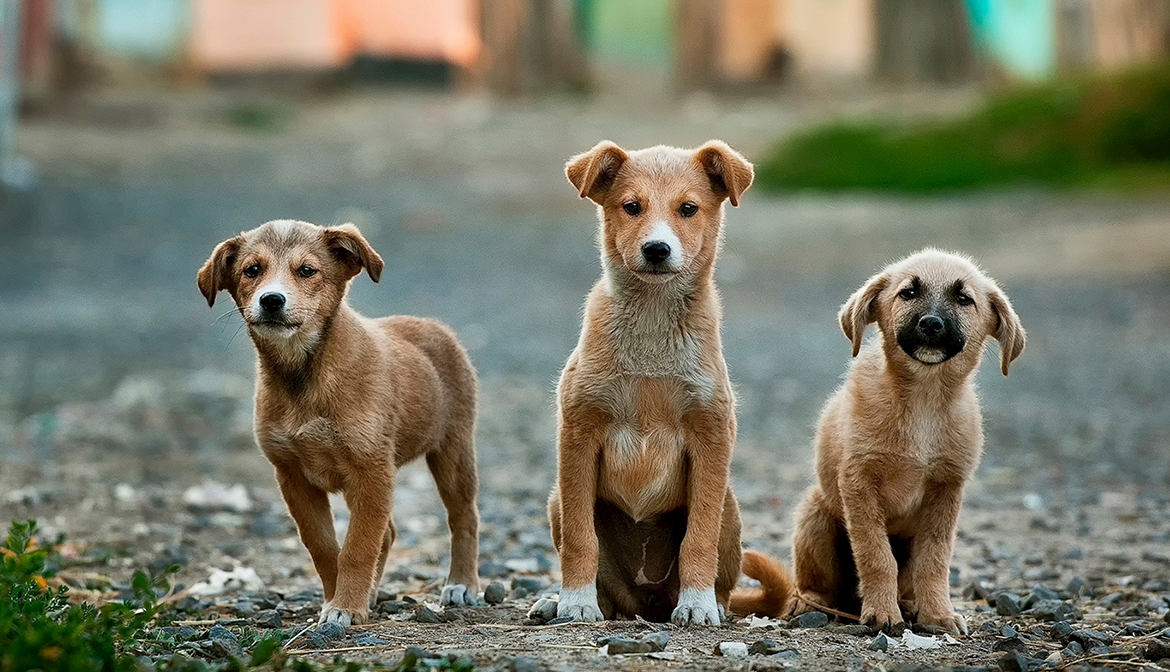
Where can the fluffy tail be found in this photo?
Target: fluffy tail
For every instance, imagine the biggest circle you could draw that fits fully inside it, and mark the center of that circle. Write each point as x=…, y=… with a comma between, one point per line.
x=777, y=587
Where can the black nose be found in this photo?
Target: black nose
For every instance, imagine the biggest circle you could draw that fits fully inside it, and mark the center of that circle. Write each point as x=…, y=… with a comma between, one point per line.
x=272, y=301
x=656, y=251
x=931, y=325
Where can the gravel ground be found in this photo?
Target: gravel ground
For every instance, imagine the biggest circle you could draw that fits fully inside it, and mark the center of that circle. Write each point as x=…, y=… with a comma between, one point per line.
x=126, y=404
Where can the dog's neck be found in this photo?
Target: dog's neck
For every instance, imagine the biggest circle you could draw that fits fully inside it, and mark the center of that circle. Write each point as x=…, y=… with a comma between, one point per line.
x=936, y=386
x=291, y=363
x=652, y=327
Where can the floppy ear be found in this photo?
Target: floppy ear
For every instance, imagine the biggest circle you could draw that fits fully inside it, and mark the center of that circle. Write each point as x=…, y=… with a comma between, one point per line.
x=1008, y=330
x=859, y=311
x=216, y=273
x=729, y=172
x=593, y=172
x=347, y=244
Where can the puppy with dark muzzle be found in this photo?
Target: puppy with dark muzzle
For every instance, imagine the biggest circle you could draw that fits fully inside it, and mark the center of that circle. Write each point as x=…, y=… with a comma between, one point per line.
x=343, y=400
x=895, y=447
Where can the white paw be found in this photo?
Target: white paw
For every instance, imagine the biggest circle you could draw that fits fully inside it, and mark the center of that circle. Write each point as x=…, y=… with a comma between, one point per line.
x=579, y=604
x=332, y=614
x=457, y=595
x=545, y=609
x=696, y=607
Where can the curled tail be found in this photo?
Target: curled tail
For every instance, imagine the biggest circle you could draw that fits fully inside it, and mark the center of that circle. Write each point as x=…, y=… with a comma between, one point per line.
x=773, y=597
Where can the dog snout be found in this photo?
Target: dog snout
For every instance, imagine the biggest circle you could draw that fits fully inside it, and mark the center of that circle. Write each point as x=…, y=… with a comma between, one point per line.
x=272, y=301
x=655, y=252
x=931, y=325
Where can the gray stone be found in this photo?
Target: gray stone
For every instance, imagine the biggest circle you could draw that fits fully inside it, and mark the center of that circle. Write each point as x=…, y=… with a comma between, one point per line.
x=330, y=631
x=658, y=639
x=880, y=643
x=810, y=619
x=525, y=664
x=424, y=614
x=1007, y=604
x=764, y=646
x=494, y=593
x=621, y=645
x=269, y=618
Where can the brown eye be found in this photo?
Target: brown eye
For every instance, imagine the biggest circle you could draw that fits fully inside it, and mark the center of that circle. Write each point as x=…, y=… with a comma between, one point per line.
x=688, y=209
x=252, y=271
x=908, y=293
x=632, y=208
x=964, y=300
x=306, y=271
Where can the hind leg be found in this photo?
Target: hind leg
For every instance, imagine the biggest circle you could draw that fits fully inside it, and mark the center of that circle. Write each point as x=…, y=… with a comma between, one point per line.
x=454, y=469
x=730, y=552
x=817, y=563
x=387, y=542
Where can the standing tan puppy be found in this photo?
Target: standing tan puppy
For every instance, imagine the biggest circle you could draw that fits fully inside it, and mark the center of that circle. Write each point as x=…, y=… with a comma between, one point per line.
x=897, y=443
x=343, y=400
x=642, y=515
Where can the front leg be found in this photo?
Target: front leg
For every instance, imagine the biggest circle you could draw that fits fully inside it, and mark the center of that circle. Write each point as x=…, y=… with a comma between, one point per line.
x=711, y=436
x=877, y=569
x=309, y=507
x=577, y=456
x=930, y=558
x=369, y=498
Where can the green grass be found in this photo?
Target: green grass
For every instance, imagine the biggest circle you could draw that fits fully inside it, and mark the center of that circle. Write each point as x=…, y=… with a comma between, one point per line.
x=1110, y=133
x=40, y=629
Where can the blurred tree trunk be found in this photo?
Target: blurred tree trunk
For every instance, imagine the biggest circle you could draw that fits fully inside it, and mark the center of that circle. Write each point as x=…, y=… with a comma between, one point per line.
x=696, y=38
x=923, y=40
x=530, y=46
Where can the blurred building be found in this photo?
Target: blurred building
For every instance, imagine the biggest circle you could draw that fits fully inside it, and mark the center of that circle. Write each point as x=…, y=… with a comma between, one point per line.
x=526, y=46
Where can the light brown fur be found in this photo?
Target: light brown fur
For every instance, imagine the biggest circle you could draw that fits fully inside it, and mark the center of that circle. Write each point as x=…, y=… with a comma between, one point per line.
x=896, y=445
x=343, y=400
x=645, y=407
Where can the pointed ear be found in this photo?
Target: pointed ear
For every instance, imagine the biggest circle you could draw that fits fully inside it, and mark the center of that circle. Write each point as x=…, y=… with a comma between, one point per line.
x=729, y=172
x=859, y=311
x=593, y=172
x=347, y=244
x=1008, y=330
x=216, y=273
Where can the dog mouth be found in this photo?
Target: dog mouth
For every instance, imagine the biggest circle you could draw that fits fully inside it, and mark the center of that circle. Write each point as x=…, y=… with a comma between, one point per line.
x=274, y=324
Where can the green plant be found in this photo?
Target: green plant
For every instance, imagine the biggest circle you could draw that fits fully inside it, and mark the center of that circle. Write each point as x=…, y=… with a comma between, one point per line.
x=40, y=629
x=1112, y=130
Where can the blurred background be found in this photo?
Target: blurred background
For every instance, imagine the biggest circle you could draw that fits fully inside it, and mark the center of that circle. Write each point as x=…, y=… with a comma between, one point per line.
x=137, y=134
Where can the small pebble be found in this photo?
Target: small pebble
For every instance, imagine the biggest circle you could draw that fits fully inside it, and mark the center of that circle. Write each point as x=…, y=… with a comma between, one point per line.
x=494, y=593
x=731, y=649
x=880, y=643
x=424, y=614
x=269, y=618
x=764, y=646
x=331, y=631
x=809, y=619
x=525, y=664
x=1007, y=604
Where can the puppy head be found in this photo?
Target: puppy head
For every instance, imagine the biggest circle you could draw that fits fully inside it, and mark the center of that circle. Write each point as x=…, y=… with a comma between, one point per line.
x=933, y=308
x=662, y=207
x=287, y=277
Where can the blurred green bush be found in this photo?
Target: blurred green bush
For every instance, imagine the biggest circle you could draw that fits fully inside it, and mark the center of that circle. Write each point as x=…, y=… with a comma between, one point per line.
x=1111, y=132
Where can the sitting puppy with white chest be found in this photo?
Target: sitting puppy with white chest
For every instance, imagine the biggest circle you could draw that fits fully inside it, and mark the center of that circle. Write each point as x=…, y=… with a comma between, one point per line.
x=642, y=515
x=343, y=400
x=896, y=445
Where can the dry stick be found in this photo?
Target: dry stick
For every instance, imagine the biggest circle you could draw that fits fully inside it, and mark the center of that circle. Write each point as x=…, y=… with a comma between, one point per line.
x=828, y=610
x=303, y=631
x=211, y=621
x=506, y=626
x=1102, y=657
x=391, y=647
